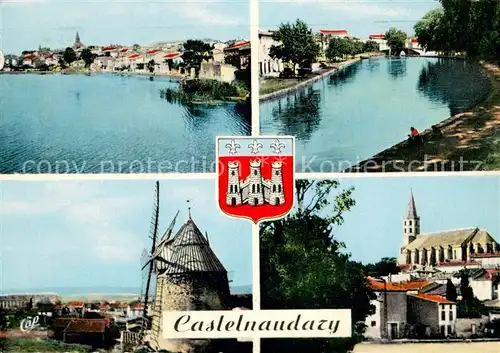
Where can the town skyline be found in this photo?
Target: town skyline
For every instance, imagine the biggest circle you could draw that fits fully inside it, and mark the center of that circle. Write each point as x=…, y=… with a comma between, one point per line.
x=51, y=23
x=58, y=227
x=371, y=232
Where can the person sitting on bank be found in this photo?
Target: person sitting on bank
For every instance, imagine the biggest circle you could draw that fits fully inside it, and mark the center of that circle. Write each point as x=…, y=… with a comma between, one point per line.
x=414, y=137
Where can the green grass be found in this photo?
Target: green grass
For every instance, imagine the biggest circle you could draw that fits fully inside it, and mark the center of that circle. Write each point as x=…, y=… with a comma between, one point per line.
x=22, y=345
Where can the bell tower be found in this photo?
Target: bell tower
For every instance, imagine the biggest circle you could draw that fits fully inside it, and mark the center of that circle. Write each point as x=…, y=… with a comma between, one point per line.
x=411, y=225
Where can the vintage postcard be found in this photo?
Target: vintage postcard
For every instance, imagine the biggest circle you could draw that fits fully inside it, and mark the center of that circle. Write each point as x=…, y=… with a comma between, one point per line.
x=382, y=86
x=419, y=270
x=93, y=266
x=121, y=86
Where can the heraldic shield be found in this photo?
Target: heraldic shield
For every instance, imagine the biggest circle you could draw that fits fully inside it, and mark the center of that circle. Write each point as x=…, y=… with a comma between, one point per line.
x=256, y=176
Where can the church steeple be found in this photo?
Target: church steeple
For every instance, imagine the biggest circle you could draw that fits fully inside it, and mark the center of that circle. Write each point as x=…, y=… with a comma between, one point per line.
x=411, y=221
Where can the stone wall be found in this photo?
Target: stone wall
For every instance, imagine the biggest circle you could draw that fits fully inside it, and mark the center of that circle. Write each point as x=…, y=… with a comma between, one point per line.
x=185, y=295
x=467, y=328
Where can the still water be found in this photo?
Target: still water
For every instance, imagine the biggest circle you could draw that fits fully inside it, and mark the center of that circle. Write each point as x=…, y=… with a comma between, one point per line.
x=369, y=106
x=107, y=124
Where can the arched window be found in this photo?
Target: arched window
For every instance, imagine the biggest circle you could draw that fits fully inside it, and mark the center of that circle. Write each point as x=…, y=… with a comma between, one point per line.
x=274, y=188
x=279, y=187
x=277, y=172
x=236, y=188
x=255, y=172
x=258, y=187
x=253, y=188
x=233, y=173
x=230, y=188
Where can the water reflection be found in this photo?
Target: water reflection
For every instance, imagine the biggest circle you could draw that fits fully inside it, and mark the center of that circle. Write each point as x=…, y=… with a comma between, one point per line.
x=300, y=113
x=449, y=82
x=397, y=68
x=344, y=75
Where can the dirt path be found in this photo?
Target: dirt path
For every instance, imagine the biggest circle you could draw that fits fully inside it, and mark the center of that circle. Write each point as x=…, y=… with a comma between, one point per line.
x=468, y=141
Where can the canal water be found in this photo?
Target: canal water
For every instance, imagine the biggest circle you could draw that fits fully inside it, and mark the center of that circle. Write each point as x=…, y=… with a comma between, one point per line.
x=107, y=124
x=370, y=106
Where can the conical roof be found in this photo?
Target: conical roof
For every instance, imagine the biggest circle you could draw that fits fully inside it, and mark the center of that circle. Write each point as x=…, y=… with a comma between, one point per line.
x=411, y=212
x=190, y=252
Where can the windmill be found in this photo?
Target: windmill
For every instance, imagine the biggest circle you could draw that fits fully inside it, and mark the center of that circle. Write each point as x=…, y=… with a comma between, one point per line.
x=148, y=263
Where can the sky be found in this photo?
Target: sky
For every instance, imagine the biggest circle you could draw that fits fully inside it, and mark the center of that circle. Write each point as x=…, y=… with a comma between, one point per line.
x=91, y=233
x=26, y=24
x=374, y=227
x=360, y=17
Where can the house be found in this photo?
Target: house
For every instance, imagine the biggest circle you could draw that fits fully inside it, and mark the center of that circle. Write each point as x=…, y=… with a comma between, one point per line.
x=76, y=307
x=379, y=38
x=135, y=310
x=436, y=313
x=326, y=34
x=390, y=317
x=242, y=50
x=487, y=260
x=218, y=52
x=95, y=332
x=485, y=284
x=30, y=60
x=268, y=66
x=414, y=44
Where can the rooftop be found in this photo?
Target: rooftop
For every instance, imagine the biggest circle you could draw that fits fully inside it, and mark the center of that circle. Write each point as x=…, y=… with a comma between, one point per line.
x=433, y=298
x=378, y=285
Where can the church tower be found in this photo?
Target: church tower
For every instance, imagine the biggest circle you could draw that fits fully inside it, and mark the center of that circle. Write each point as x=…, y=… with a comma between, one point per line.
x=256, y=188
x=78, y=44
x=411, y=225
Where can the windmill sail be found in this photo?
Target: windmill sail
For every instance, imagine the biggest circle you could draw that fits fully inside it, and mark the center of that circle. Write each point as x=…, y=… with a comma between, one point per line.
x=154, y=237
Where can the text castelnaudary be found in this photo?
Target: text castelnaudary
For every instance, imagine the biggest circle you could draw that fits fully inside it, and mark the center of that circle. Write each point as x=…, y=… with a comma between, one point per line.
x=184, y=324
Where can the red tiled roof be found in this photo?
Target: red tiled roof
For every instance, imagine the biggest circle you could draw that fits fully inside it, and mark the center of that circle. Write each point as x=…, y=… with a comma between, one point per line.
x=137, y=306
x=153, y=51
x=433, y=298
x=334, y=31
x=81, y=325
x=133, y=56
x=172, y=55
x=495, y=254
x=108, y=48
x=76, y=304
x=123, y=50
x=414, y=40
x=30, y=57
x=238, y=45
x=457, y=263
x=377, y=36
x=397, y=286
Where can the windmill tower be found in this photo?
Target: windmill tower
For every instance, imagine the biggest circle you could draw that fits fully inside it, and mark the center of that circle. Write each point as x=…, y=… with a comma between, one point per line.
x=188, y=276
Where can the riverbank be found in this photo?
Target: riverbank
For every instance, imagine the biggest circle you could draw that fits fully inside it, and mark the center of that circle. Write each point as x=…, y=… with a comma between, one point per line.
x=468, y=141
x=93, y=73
x=273, y=88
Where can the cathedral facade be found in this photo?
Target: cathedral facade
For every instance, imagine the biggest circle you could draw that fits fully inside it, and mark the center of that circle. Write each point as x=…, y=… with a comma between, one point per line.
x=457, y=246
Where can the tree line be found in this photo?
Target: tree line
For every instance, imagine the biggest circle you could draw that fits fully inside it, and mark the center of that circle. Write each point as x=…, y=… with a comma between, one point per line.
x=462, y=26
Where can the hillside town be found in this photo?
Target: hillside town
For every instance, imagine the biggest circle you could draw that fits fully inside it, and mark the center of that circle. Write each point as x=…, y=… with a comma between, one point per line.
x=209, y=59
x=445, y=284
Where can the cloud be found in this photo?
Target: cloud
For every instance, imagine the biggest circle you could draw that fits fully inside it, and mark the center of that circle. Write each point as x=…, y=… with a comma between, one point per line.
x=354, y=7
x=205, y=14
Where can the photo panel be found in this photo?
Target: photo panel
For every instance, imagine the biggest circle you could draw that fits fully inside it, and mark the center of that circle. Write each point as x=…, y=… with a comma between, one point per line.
x=417, y=269
x=378, y=86
x=121, y=86
x=99, y=265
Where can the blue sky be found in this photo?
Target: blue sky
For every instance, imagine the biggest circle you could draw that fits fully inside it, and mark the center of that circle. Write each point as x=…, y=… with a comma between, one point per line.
x=360, y=17
x=91, y=233
x=373, y=228
x=27, y=24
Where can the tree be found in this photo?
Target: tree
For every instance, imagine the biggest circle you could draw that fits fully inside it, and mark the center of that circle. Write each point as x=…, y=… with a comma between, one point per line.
x=151, y=65
x=87, y=56
x=304, y=266
x=451, y=291
x=195, y=51
x=337, y=48
x=396, y=40
x=298, y=44
x=371, y=46
x=469, y=306
x=431, y=32
x=386, y=266
x=69, y=55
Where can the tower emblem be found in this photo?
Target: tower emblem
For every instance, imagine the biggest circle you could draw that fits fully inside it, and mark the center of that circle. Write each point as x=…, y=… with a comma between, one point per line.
x=255, y=176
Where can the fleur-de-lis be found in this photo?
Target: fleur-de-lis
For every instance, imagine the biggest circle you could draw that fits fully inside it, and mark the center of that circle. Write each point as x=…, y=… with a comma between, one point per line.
x=233, y=146
x=277, y=146
x=255, y=146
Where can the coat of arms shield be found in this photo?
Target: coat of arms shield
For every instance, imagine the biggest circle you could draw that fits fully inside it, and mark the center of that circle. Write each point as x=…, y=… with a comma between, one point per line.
x=255, y=176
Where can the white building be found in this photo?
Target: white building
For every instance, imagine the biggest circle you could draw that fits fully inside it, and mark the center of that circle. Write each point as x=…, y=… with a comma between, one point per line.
x=267, y=65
